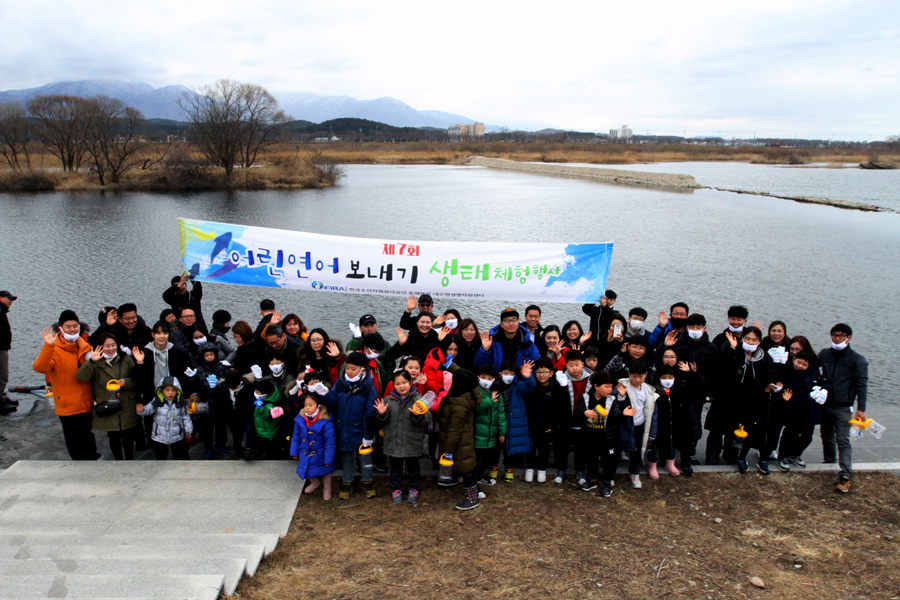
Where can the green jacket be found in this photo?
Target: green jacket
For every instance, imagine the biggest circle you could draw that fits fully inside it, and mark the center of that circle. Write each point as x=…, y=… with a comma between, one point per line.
x=98, y=373
x=490, y=419
x=266, y=426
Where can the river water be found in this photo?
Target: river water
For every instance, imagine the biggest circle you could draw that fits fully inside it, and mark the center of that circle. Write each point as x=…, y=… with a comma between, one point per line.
x=808, y=265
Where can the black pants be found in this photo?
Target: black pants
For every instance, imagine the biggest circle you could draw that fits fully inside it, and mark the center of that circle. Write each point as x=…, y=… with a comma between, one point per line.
x=717, y=442
x=237, y=426
x=80, y=440
x=412, y=469
x=161, y=451
x=795, y=439
x=539, y=457
x=485, y=458
x=593, y=443
x=564, y=441
x=203, y=429
x=122, y=442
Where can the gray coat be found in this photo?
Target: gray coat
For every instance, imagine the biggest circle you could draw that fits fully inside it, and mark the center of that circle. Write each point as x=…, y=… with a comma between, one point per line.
x=404, y=431
x=171, y=420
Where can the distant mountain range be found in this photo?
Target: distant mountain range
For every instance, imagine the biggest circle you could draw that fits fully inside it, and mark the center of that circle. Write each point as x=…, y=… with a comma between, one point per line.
x=161, y=103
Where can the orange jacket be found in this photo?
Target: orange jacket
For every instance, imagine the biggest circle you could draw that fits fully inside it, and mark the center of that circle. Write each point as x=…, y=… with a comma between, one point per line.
x=59, y=362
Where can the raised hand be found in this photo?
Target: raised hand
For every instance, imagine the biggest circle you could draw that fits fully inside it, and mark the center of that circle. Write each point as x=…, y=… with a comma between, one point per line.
x=486, y=340
x=402, y=336
x=97, y=353
x=111, y=318
x=443, y=332
x=495, y=396
x=276, y=318
x=256, y=370
x=621, y=389
x=732, y=341
x=787, y=394
x=411, y=302
x=585, y=337
x=604, y=301
x=381, y=406
x=332, y=350
x=138, y=355
x=526, y=368
x=758, y=325
x=191, y=372
x=48, y=336
x=671, y=338
x=629, y=411
x=663, y=319
x=684, y=366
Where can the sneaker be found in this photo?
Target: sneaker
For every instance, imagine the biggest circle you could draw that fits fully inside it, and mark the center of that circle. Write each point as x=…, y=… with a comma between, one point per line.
x=784, y=464
x=742, y=466
x=798, y=460
x=413, y=496
x=560, y=475
x=369, y=489
x=589, y=485
x=494, y=472
x=763, y=467
x=397, y=497
x=482, y=495
x=509, y=476
x=636, y=482
x=487, y=481
x=687, y=470
x=346, y=490
x=542, y=477
x=529, y=475
x=208, y=455
x=222, y=450
x=843, y=485
x=607, y=490
x=580, y=478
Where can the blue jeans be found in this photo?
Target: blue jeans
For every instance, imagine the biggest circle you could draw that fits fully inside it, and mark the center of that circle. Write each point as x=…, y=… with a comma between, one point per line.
x=835, y=431
x=348, y=468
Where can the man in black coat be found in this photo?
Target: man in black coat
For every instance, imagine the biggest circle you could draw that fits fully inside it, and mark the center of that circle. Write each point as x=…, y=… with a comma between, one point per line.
x=7, y=405
x=130, y=329
x=177, y=296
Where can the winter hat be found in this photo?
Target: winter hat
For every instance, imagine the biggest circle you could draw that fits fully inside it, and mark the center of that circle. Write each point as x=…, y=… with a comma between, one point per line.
x=68, y=315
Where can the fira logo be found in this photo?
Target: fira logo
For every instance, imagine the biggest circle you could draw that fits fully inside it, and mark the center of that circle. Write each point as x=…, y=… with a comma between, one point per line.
x=318, y=285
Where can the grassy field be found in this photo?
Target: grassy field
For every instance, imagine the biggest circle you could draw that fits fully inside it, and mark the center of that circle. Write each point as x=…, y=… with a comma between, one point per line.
x=703, y=537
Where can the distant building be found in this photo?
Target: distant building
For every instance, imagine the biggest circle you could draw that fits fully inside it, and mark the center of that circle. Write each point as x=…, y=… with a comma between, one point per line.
x=461, y=131
x=322, y=140
x=622, y=134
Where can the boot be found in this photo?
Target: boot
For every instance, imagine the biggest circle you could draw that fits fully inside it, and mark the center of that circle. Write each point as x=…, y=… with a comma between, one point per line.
x=326, y=487
x=470, y=499
x=652, y=471
x=313, y=485
x=671, y=468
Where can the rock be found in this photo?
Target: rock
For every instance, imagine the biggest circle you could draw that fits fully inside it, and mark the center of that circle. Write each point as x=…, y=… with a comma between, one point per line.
x=757, y=582
x=717, y=520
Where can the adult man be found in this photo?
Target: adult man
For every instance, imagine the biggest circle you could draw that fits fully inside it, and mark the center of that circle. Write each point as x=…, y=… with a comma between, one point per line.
x=676, y=321
x=368, y=325
x=601, y=315
x=533, y=325
x=6, y=404
x=508, y=340
x=267, y=310
x=61, y=356
x=289, y=347
x=130, y=329
x=183, y=336
x=177, y=296
x=848, y=373
x=737, y=318
x=161, y=359
x=425, y=304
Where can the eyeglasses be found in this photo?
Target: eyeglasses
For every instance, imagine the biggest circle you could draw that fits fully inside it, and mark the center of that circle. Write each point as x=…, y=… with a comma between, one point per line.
x=839, y=336
x=511, y=320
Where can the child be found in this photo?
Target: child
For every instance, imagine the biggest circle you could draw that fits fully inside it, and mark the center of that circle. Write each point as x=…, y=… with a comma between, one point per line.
x=172, y=426
x=490, y=426
x=404, y=434
x=267, y=414
x=569, y=386
x=456, y=433
x=516, y=383
x=592, y=406
x=313, y=445
x=352, y=400
x=208, y=419
x=801, y=412
x=666, y=423
x=631, y=423
x=539, y=408
x=590, y=355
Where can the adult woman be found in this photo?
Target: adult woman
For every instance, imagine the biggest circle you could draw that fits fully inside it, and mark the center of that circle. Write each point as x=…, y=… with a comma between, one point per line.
x=469, y=342
x=797, y=344
x=419, y=341
x=556, y=351
x=322, y=354
x=777, y=336
x=573, y=334
x=107, y=365
x=294, y=327
x=250, y=350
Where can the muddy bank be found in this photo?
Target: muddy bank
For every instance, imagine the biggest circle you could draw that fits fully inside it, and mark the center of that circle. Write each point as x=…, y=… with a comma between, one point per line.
x=668, y=181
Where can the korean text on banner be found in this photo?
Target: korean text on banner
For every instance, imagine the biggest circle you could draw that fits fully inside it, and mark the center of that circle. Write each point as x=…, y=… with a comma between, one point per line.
x=243, y=255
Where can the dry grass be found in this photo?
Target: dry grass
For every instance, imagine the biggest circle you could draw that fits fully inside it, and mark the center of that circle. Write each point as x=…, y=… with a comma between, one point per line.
x=552, y=541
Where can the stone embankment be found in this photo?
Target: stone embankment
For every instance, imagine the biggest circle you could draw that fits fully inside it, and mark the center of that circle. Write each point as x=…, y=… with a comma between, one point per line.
x=670, y=181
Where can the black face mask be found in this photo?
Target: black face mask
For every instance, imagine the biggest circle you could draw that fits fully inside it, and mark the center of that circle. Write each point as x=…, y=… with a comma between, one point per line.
x=678, y=322
x=224, y=328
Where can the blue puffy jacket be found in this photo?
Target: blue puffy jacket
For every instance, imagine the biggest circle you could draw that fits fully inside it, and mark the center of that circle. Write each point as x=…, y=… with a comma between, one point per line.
x=527, y=350
x=353, y=405
x=314, y=445
x=518, y=440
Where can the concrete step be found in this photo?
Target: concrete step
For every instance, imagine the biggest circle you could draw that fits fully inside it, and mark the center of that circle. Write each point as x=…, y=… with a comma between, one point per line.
x=232, y=569
x=252, y=554
x=201, y=587
x=209, y=540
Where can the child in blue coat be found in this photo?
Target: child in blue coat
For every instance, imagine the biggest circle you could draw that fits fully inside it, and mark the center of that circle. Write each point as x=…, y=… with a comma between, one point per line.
x=313, y=445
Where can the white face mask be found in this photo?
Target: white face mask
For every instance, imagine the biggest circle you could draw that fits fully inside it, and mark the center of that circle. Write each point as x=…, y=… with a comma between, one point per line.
x=840, y=346
x=200, y=340
x=353, y=379
x=451, y=323
x=507, y=379
x=777, y=388
x=695, y=334
x=749, y=347
x=258, y=396
x=486, y=383
x=276, y=369
x=109, y=356
x=667, y=383
x=70, y=337
x=735, y=329
x=636, y=325
x=371, y=354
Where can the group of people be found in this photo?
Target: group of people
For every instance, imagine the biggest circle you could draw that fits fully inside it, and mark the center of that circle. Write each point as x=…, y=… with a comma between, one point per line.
x=515, y=397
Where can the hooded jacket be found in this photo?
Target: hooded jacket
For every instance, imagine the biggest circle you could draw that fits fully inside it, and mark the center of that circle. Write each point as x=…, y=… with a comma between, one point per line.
x=314, y=444
x=404, y=431
x=518, y=439
x=171, y=419
x=353, y=404
x=456, y=434
x=60, y=362
x=526, y=350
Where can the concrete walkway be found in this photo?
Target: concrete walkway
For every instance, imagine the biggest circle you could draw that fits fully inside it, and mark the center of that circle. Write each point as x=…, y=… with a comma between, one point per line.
x=139, y=529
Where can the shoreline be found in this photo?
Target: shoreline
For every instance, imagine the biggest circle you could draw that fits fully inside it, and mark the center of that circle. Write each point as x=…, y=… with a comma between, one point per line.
x=672, y=182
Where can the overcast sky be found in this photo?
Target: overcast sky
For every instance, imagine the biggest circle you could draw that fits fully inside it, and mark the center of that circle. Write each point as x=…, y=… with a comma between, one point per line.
x=815, y=69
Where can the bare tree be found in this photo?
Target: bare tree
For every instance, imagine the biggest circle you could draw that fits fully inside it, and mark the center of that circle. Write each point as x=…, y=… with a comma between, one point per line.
x=110, y=137
x=231, y=121
x=61, y=127
x=14, y=132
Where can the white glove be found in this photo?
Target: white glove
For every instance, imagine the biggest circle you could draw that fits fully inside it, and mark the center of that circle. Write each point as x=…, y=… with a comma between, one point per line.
x=319, y=388
x=366, y=442
x=562, y=378
x=257, y=371
x=819, y=395
x=293, y=389
x=355, y=330
x=125, y=349
x=225, y=363
x=190, y=372
x=778, y=354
